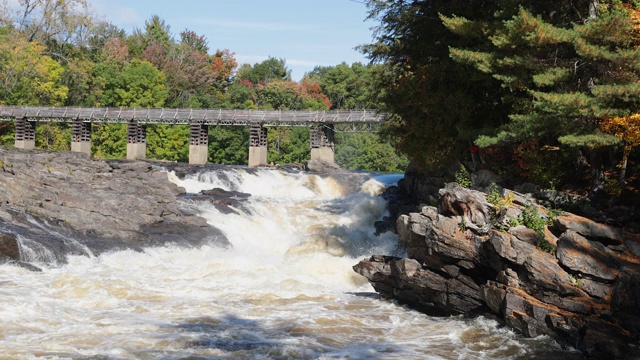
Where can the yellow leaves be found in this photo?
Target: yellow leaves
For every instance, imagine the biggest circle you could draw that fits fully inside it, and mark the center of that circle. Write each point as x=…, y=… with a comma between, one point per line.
x=626, y=128
x=28, y=77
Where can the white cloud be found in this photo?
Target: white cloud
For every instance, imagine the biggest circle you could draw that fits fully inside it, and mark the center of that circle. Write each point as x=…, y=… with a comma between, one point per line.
x=250, y=59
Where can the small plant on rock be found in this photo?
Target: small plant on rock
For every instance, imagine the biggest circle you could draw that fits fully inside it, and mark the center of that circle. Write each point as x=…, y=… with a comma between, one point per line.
x=575, y=281
x=513, y=221
x=552, y=214
x=546, y=246
x=462, y=225
x=463, y=177
x=493, y=194
x=500, y=203
x=532, y=219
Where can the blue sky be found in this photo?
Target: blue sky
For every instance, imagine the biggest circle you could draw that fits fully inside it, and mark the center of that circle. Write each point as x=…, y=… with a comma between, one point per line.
x=305, y=33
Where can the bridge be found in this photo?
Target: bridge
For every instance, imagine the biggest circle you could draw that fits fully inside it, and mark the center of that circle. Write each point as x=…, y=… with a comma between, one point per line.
x=321, y=124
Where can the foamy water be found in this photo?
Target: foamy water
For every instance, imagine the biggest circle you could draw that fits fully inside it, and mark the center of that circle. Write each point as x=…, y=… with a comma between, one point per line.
x=285, y=289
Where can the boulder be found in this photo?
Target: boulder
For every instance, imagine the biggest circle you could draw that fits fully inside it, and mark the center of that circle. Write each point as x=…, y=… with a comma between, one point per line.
x=587, y=257
x=470, y=205
x=9, y=248
x=323, y=167
x=589, y=228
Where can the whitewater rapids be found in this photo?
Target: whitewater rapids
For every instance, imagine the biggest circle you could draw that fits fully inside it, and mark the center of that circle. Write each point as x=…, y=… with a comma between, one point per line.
x=284, y=289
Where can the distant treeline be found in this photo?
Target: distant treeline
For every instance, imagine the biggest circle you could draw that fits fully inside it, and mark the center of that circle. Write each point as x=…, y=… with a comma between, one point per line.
x=56, y=53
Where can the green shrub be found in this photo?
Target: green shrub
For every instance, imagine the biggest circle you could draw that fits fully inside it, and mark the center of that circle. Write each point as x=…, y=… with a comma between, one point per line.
x=513, y=221
x=552, y=214
x=532, y=219
x=546, y=246
x=613, y=187
x=462, y=225
x=493, y=194
x=463, y=177
x=500, y=203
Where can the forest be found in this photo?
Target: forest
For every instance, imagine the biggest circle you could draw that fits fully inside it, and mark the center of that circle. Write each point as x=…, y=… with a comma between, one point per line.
x=57, y=53
x=540, y=91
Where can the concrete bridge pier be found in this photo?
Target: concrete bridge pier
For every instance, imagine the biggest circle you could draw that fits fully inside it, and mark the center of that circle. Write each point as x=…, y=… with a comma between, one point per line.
x=322, y=143
x=198, y=144
x=136, y=141
x=81, y=136
x=257, y=145
x=25, y=134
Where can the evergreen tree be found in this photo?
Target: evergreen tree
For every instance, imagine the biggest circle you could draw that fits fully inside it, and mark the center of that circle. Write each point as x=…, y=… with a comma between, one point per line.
x=561, y=72
x=438, y=105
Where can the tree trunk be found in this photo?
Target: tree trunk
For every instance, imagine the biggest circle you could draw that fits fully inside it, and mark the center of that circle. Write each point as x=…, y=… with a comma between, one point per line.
x=623, y=164
x=593, y=9
x=597, y=174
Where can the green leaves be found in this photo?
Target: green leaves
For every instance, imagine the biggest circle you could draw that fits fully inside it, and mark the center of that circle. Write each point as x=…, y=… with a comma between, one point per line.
x=140, y=85
x=367, y=152
x=592, y=141
x=551, y=77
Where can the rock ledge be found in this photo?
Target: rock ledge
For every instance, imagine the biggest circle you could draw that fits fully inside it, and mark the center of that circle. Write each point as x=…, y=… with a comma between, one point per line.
x=584, y=290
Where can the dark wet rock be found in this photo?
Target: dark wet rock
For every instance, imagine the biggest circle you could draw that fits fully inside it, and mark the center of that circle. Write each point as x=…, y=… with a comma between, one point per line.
x=9, y=248
x=227, y=202
x=586, y=294
x=221, y=193
x=182, y=170
x=323, y=167
x=104, y=205
x=399, y=202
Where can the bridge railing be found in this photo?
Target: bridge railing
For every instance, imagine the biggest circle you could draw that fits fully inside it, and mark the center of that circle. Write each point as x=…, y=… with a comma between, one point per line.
x=186, y=116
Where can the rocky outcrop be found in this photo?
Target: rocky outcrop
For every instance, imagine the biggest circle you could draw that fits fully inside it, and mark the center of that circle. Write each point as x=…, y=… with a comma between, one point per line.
x=51, y=198
x=323, y=167
x=227, y=202
x=585, y=291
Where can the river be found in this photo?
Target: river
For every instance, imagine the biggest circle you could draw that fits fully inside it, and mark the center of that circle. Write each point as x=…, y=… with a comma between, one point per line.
x=284, y=289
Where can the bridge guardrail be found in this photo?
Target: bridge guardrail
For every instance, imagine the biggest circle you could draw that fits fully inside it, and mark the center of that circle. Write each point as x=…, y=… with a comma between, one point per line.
x=187, y=116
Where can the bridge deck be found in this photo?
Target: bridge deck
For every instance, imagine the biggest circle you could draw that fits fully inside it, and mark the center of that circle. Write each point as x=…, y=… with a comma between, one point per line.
x=188, y=116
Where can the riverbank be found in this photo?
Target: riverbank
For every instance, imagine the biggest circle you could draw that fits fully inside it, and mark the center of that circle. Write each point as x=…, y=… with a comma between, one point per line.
x=500, y=254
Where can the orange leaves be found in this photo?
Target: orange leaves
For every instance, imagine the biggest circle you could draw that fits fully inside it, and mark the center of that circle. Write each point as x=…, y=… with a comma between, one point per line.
x=224, y=64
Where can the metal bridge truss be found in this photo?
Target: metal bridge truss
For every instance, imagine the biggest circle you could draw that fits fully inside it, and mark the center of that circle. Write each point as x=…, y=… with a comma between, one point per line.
x=343, y=120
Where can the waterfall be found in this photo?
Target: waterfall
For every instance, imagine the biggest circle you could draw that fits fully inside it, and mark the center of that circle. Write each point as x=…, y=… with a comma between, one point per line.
x=284, y=289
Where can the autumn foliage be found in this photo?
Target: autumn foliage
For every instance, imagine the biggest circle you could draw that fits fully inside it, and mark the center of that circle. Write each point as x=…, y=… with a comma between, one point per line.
x=55, y=53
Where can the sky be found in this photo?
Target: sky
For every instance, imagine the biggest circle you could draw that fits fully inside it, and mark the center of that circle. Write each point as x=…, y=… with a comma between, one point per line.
x=305, y=33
